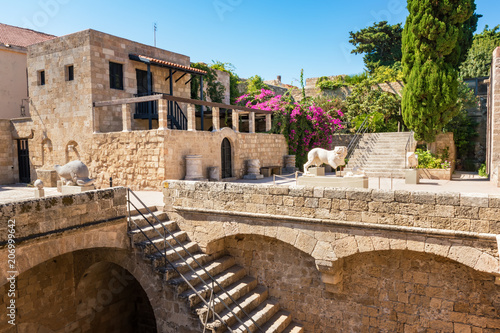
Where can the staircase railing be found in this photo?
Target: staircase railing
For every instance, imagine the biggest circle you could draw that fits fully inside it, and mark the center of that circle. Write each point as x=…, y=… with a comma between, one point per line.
x=176, y=116
x=357, y=138
x=410, y=147
x=163, y=253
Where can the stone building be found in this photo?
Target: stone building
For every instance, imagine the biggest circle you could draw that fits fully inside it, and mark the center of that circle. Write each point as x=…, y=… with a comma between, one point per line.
x=13, y=55
x=14, y=102
x=71, y=78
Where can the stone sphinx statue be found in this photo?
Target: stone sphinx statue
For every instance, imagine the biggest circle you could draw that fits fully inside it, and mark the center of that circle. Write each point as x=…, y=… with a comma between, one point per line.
x=318, y=156
x=74, y=173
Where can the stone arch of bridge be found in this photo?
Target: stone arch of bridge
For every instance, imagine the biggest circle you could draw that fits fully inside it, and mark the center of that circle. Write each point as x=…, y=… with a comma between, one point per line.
x=31, y=254
x=329, y=248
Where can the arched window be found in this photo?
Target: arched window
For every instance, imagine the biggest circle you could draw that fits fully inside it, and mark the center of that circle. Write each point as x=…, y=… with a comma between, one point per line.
x=226, y=164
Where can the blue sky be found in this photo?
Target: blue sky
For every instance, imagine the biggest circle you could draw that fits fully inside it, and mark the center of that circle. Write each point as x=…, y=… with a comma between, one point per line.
x=268, y=38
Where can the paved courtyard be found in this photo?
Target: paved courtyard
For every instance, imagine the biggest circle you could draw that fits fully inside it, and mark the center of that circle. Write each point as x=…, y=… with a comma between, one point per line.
x=462, y=182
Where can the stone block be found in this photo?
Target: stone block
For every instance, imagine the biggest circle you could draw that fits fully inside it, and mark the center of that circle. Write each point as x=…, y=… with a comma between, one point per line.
x=48, y=177
x=474, y=199
x=65, y=190
x=39, y=193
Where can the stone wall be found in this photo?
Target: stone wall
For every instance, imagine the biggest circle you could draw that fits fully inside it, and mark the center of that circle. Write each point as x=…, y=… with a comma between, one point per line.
x=477, y=213
x=48, y=214
x=13, y=86
x=144, y=159
x=7, y=160
x=355, y=260
x=387, y=291
x=493, y=138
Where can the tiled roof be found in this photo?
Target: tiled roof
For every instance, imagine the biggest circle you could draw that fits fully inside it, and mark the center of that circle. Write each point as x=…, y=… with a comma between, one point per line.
x=170, y=64
x=21, y=37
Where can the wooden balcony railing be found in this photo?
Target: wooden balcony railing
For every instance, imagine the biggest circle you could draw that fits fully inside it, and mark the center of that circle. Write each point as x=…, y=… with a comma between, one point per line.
x=162, y=100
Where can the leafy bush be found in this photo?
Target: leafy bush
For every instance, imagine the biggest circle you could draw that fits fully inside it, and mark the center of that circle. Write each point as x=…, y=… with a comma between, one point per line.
x=305, y=125
x=427, y=160
x=482, y=170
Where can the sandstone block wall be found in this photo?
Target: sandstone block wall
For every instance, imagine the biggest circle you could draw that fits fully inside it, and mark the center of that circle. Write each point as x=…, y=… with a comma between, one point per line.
x=477, y=213
x=143, y=159
x=48, y=214
x=388, y=291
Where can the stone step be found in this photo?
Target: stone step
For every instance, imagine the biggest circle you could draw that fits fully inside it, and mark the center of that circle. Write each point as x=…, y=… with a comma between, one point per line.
x=173, y=254
x=294, y=328
x=247, y=303
x=260, y=315
x=236, y=290
x=224, y=279
x=141, y=221
x=278, y=323
x=141, y=234
x=202, y=273
x=160, y=243
x=182, y=265
x=143, y=210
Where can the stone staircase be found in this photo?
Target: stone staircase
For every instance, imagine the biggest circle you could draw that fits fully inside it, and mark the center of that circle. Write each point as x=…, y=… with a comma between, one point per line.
x=242, y=292
x=380, y=154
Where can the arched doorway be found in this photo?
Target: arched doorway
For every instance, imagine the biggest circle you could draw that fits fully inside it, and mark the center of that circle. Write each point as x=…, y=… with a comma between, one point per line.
x=226, y=162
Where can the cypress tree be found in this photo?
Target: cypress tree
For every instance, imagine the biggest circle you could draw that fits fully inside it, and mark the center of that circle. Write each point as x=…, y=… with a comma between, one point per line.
x=436, y=37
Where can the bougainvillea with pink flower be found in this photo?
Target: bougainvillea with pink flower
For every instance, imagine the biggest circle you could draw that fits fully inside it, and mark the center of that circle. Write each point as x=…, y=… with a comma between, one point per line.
x=304, y=124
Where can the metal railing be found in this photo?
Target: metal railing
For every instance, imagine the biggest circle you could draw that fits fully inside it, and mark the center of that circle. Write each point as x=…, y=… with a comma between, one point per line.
x=296, y=174
x=163, y=253
x=176, y=116
x=357, y=138
x=410, y=147
x=144, y=108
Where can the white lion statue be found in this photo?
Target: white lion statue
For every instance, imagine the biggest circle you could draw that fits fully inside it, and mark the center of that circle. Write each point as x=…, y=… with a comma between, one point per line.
x=318, y=156
x=412, y=159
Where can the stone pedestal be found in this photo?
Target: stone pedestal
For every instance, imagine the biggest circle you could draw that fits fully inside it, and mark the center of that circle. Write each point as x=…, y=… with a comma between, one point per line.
x=332, y=181
x=39, y=193
x=213, y=174
x=289, y=164
x=76, y=189
x=411, y=176
x=48, y=177
x=59, y=186
x=316, y=171
x=253, y=170
x=193, y=167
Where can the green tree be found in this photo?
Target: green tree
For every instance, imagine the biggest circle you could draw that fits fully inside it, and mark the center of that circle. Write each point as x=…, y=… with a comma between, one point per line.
x=215, y=89
x=255, y=84
x=383, y=107
x=234, y=79
x=436, y=37
x=381, y=44
x=478, y=61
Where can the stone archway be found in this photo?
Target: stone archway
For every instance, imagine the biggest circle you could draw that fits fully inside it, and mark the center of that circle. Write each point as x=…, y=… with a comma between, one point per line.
x=106, y=291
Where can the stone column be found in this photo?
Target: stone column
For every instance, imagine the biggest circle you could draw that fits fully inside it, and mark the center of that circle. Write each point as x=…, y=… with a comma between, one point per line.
x=162, y=114
x=253, y=170
x=251, y=122
x=236, y=121
x=193, y=167
x=269, y=122
x=289, y=162
x=493, y=141
x=191, y=116
x=215, y=119
x=126, y=118
x=95, y=118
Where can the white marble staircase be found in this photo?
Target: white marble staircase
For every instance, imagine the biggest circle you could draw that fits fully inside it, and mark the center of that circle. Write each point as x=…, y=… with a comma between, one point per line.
x=242, y=293
x=381, y=154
